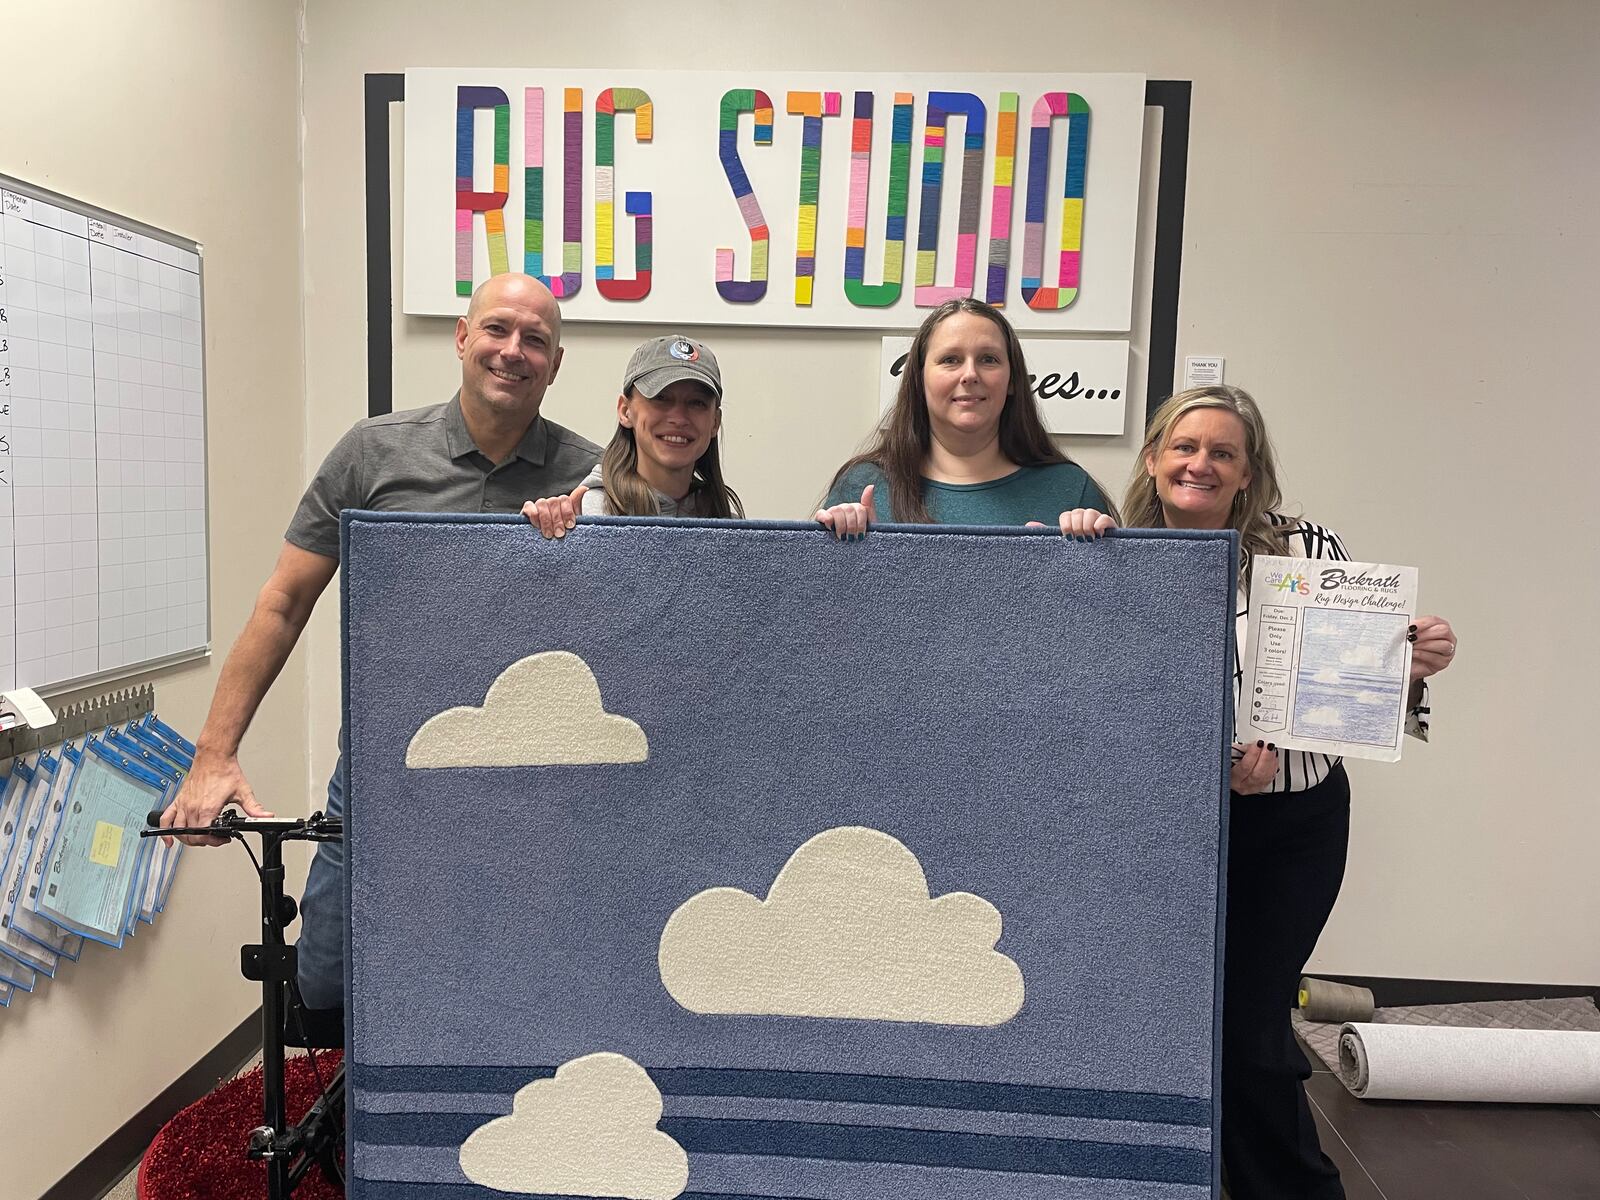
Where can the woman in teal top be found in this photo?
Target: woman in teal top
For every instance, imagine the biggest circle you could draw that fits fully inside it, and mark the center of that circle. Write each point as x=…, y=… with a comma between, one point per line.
x=964, y=444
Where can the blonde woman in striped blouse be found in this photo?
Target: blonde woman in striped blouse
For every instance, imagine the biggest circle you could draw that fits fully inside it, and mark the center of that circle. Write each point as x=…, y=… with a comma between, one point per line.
x=1207, y=463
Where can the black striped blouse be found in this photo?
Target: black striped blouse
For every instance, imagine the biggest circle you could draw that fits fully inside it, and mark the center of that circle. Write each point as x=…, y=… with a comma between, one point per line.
x=1302, y=769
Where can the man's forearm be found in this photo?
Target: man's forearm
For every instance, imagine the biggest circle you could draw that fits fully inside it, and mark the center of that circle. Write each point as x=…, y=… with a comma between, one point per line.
x=282, y=609
x=248, y=672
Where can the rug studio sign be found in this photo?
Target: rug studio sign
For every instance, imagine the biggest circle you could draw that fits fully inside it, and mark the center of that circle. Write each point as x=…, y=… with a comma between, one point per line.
x=819, y=199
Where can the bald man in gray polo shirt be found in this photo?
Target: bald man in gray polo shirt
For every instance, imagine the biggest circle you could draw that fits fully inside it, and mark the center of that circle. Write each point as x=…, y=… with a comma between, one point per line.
x=487, y=450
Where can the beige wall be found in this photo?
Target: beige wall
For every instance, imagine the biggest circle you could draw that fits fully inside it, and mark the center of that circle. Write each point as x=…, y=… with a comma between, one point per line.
x=181, y=113
x=1389, y=238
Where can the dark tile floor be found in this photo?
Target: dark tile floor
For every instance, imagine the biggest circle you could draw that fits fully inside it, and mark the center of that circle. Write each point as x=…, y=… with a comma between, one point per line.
x=1419, y=1150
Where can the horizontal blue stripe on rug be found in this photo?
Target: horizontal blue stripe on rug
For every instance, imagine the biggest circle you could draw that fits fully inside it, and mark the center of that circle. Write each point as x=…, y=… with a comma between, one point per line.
x=486, y=1107
x=849, y=1143
x=742, y=1178
x=821, y=1085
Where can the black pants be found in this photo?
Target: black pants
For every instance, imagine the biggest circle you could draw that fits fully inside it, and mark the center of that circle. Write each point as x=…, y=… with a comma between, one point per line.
x=1286, y=858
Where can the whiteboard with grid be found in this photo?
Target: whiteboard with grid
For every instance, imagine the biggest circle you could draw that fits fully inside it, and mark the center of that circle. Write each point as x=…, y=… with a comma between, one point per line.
x=103, y=554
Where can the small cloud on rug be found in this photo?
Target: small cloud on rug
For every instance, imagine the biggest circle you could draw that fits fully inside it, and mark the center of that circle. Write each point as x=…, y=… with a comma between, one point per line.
x=847, y=930
x=544, y=710
x=590, y=1131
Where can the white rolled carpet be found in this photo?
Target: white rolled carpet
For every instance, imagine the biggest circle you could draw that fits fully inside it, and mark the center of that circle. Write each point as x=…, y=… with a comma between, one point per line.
x=1410, y=1062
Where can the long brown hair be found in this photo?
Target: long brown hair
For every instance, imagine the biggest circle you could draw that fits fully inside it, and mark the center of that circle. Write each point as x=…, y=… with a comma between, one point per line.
x=628, y=494
x=900, y=447
x=1141, y=507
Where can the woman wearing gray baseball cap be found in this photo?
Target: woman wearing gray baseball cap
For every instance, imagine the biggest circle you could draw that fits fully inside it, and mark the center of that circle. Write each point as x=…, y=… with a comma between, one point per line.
x=664, y=459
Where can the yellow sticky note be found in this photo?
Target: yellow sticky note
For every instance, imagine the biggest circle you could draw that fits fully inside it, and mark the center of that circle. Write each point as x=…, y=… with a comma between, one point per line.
x=107, y=847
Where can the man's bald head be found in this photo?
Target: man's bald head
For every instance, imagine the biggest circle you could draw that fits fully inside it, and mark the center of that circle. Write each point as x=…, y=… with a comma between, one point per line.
x=514, y=287
x=509, y=344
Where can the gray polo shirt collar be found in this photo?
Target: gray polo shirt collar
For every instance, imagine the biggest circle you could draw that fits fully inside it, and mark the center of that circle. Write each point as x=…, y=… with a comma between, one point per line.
x=458, y=439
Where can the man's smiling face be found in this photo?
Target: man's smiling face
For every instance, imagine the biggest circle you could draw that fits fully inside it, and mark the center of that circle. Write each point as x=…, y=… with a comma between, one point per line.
x=509, y=346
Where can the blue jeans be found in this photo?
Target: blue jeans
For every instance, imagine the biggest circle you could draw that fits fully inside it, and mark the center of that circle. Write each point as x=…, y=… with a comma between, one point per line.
x=321, y=944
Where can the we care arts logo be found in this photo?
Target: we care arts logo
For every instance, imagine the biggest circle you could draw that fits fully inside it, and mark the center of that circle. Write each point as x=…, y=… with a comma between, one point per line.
x=1080, y=384
x=1294, y=583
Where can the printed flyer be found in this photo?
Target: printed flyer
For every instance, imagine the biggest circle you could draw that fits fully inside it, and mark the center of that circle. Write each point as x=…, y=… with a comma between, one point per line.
x=1326, y=665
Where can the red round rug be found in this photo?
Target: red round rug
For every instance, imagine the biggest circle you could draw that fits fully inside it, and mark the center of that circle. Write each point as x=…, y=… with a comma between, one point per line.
x=200, y=1153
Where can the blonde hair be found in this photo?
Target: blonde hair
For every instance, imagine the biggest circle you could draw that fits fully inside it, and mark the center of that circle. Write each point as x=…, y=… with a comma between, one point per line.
x=1254, y=504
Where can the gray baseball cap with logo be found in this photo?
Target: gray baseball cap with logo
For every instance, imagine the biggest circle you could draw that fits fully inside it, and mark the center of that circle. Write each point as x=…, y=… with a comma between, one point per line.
x=666, y=360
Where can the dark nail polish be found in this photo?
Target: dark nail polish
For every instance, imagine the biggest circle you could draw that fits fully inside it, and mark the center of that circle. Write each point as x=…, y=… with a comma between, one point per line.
x=1411, y=628
x=1259, y=745
x=1270, y=746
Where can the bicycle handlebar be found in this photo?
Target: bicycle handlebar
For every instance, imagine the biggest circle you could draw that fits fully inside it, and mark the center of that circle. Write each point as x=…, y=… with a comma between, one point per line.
x=231, y=824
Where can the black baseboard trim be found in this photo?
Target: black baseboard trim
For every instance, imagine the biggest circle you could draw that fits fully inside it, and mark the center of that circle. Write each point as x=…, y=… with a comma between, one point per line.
x=108, y=1162
x=1388, y=993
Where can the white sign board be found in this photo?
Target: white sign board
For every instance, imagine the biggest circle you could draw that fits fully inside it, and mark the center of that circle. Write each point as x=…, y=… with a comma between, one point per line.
x=770, y=197
x=1081, y=383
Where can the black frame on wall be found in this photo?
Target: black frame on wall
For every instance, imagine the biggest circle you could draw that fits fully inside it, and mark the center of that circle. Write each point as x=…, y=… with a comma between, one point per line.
x=1169, y=95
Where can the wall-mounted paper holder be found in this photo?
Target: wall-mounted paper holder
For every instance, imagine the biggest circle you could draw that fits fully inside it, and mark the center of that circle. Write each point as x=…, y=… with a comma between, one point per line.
x=24, y=707
x=76, y=719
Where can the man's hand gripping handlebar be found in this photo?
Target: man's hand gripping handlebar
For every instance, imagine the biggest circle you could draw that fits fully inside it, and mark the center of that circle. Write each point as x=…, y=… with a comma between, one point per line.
x=231, y=824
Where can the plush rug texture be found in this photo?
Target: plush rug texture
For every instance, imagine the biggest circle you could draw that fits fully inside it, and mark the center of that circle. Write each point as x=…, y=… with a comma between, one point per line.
x=200, y=1153
x=694, y=859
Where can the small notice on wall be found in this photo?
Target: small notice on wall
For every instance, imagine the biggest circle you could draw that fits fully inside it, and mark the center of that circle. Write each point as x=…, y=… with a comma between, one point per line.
x=1202, y=372
x=1327, y=663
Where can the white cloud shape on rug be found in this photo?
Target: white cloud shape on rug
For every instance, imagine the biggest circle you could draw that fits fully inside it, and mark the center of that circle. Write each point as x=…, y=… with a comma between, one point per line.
x=590, y=1131
x=544, y=710
x=848, y=930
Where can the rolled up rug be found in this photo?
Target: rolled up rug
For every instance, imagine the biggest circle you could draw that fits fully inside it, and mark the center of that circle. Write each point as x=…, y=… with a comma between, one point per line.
x=1324, y=1000
x=1505, y=1066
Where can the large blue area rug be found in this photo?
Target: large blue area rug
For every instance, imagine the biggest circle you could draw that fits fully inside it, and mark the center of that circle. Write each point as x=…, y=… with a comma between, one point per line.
x=715, y=859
